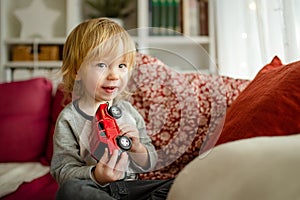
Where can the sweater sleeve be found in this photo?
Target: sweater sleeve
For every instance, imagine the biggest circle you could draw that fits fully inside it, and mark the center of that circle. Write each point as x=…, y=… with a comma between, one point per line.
x=66, y=161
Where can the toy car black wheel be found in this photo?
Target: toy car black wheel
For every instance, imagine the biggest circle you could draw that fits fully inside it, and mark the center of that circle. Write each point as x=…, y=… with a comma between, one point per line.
x=124, y=142
x=115, y=112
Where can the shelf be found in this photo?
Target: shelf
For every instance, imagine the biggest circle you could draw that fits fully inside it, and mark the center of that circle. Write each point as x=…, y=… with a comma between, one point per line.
x=34, y=64
x=11, y=67
x=177, y=39
x=59, y=40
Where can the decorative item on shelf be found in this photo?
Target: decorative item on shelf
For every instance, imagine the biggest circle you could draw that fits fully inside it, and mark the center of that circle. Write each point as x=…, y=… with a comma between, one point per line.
x=37, y=20
x=117, y=10
x=44, y=53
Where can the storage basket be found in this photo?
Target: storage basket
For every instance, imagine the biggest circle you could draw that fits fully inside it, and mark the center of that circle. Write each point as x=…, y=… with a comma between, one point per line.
x=44, y=53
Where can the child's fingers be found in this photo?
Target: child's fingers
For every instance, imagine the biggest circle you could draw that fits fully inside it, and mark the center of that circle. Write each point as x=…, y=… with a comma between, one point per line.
x=105, y=170
x=128, y=130
x=113, y=159
x=122, y=163
x=126, y=127
x=105, y=158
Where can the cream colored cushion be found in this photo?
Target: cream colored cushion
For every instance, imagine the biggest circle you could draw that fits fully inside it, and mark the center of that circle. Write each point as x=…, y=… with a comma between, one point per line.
x=12, y=175
x=266, y=168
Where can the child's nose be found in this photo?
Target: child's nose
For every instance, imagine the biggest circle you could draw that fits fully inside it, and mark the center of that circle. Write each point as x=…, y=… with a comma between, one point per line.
x=113, y=73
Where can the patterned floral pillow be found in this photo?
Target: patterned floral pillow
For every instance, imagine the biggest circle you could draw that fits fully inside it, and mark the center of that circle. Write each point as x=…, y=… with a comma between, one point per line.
x=179, y=110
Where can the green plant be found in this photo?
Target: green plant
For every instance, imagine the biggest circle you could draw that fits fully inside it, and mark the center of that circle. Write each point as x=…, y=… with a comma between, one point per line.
x=110, y=8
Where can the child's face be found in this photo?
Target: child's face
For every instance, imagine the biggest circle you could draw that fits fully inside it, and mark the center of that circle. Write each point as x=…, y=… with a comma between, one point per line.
x=104, y=78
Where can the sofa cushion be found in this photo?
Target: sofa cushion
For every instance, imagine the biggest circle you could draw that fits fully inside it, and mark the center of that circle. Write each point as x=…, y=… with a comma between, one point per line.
x=178, y=110
x=25, y=119
x=44, y=187
x=257, y=168
x=57, y=106
x=269, y=106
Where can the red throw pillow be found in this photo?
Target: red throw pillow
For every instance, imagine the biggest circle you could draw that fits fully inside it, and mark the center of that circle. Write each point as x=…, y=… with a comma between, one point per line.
x=269, y=106
x=25, y=119
x=57, y=106
x=275, y=63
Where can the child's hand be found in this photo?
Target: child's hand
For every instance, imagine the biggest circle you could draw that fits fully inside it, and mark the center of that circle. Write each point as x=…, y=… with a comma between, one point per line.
x=132, y=132
x=110, y=169
x=138, y=151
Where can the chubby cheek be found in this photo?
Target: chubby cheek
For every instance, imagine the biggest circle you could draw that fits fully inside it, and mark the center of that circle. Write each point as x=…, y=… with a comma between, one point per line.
x=93, y=83
x=91, y=86
x=124, y=80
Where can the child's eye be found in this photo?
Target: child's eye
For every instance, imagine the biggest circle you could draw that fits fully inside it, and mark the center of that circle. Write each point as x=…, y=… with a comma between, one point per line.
x=122, y=65
x=101, y=65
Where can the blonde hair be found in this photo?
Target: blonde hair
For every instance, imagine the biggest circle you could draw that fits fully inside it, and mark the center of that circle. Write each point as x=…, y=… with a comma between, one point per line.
x=88, y=40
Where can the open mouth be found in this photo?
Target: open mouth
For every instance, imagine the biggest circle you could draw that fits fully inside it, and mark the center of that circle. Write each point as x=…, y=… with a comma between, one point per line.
x=110, y=89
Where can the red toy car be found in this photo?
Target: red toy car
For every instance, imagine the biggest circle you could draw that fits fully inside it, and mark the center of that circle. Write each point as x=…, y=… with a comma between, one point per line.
x=108, y=132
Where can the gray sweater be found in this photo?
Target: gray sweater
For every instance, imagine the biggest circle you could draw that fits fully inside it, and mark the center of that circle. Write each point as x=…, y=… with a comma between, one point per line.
x=72, y=157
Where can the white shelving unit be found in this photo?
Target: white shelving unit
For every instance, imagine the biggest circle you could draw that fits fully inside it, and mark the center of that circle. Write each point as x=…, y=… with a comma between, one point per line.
x=184, y=53
x=30, y=66
x=10, y=36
